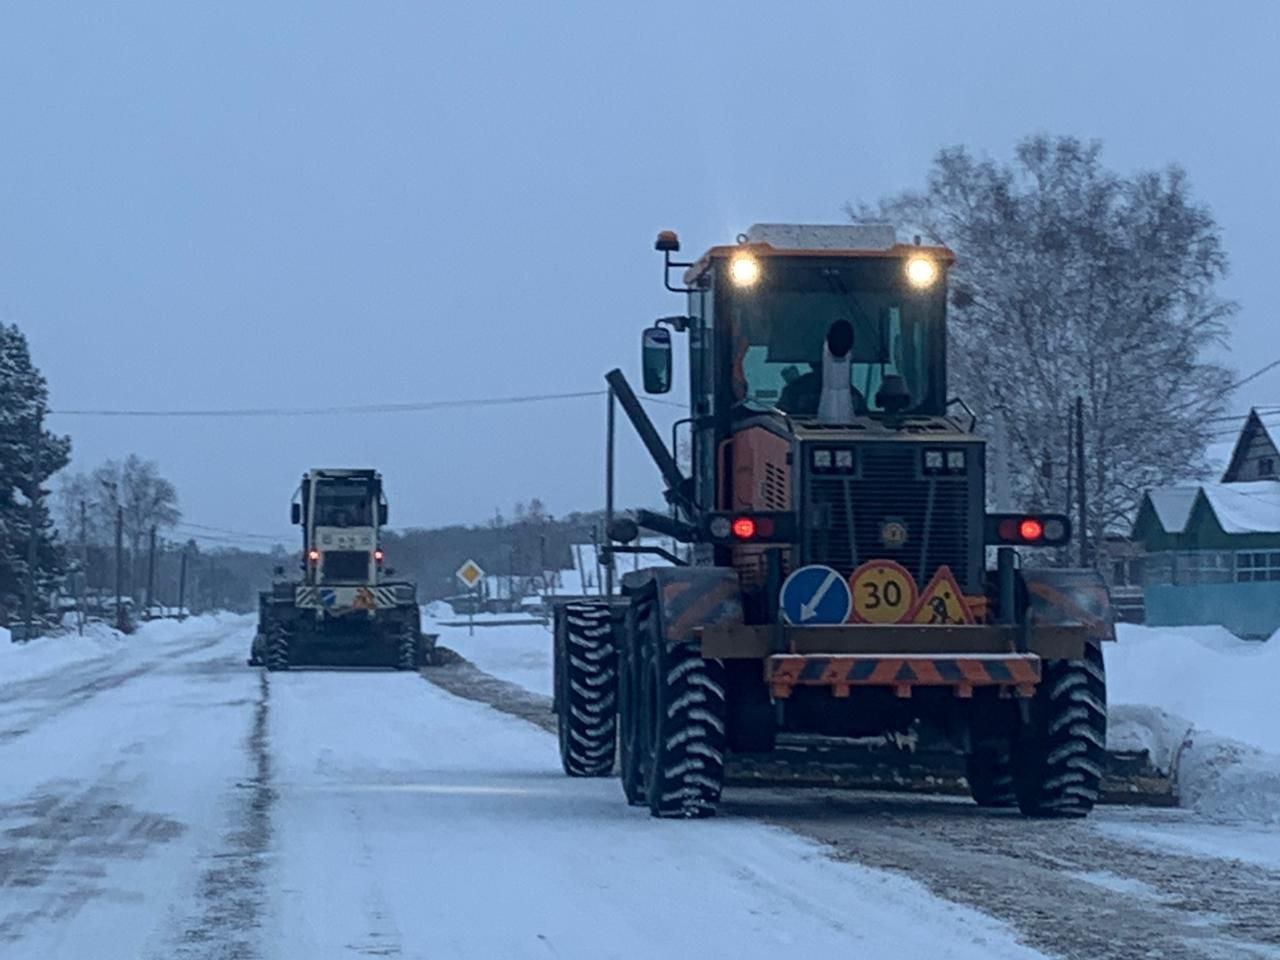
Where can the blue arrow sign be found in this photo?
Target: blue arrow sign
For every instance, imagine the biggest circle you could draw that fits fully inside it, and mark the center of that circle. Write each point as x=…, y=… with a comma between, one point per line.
x=815, y=594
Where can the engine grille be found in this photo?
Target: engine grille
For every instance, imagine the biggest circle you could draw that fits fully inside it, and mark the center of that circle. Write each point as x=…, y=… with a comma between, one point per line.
x=845, y=515
x=346, y=565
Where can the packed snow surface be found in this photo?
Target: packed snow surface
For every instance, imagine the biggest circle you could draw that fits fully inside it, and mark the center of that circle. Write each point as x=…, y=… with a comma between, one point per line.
x=159, y=798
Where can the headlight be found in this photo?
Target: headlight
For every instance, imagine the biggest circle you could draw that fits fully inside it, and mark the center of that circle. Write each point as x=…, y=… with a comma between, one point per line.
x=921, y=272
x=822, y=459
x=844, y=459
x=933, y=461
x=744, y=270
x=955, y=461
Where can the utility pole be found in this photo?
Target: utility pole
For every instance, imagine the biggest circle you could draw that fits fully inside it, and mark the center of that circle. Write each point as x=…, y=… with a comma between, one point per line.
x=121, y=624
x=83, y=583
x=33, y=495
x=1071, y=459
x=182, y=584
x=151, y=572
x=548, y=579
x=1081, y=502
x=610, y=429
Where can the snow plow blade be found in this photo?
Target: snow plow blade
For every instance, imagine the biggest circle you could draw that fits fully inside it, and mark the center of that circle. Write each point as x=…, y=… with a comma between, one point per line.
x=1129, y=777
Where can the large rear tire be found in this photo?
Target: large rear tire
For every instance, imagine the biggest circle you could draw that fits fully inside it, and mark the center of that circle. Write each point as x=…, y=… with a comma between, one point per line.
x=989, y=770
x=278, y=637
x=586, y=688
x=1057, y=762
x=680, y=726
x=409, y=647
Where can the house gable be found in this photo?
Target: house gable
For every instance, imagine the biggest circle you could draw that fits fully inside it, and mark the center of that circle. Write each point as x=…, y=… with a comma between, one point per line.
x=1255, y=456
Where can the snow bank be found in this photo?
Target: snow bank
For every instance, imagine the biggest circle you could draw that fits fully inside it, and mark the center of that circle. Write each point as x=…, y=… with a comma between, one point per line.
x=1203, y=704
x=43, y=655
x=1205, y=674
x=518, y=653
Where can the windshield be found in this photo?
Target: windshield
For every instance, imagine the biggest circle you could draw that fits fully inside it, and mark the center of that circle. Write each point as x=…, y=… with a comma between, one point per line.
x=778, y=329
x=343, y=503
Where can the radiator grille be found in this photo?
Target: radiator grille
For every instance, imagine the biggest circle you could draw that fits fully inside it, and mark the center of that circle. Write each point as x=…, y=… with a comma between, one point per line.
x=845, y=515
x=346, y=565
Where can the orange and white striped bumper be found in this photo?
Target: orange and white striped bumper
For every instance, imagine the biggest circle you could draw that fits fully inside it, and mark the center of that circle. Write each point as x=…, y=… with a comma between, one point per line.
x=1017, y=673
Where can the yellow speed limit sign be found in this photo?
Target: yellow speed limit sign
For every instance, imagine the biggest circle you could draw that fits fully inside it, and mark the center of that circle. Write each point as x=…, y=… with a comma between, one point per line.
x=883, y=592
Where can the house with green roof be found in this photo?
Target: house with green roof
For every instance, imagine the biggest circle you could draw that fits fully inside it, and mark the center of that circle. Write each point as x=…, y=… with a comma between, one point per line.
x=1212, y=550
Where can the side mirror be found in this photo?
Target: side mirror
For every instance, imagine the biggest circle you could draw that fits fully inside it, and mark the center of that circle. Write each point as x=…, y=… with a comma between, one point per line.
x=295, y=513
x=382, y=514
x=623, y=530
x=655, y=360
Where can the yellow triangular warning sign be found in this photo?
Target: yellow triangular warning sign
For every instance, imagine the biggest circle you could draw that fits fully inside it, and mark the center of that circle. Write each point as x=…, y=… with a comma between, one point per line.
x=941, y=602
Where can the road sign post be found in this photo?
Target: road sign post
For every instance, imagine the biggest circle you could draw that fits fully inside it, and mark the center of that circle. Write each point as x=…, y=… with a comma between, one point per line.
x=471, y=574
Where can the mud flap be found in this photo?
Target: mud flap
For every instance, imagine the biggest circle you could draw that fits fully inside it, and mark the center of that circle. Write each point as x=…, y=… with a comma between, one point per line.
x=690, y=597
x=1068, y=597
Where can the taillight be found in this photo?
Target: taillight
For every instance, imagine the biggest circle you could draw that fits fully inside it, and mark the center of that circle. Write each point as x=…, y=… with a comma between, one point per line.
x=1019, y=530
x=313, y=556
x=756, y=527
x=377, y=555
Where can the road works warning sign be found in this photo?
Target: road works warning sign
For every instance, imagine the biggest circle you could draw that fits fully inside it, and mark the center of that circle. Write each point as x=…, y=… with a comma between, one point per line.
x=470, y=574
x=942, y=601
x=883, y=592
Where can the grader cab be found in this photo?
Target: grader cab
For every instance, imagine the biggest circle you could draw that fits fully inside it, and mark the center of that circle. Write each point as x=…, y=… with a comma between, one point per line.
x=835, y=516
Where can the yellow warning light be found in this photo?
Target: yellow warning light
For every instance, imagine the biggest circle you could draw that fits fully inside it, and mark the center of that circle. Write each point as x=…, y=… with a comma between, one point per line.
x=921, y=272
x=744, y=270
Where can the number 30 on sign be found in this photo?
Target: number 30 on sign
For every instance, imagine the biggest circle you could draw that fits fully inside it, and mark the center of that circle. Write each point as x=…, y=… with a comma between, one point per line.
x=883, y=592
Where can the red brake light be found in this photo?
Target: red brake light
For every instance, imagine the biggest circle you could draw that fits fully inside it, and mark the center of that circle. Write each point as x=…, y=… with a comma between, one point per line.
x=313, y=556
x=377, y=555
x=744, y=528
x=1031, y=529
x=1008, y=530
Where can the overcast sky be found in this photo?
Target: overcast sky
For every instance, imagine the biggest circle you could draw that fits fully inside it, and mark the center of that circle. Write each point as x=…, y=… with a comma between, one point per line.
x=281, y=204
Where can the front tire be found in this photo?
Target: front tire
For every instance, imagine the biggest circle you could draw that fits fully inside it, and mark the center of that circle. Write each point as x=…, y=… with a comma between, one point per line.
x=1057, y=763
x=586, y=689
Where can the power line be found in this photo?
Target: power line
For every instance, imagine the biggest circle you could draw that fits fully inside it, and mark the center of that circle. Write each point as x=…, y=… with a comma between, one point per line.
x=1229, y=387
x=224, y=530
x=1254, y=376
x=374, y=408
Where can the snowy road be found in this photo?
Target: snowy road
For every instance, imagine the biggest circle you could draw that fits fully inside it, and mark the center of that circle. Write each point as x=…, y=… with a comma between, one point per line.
x=166, y=801
x=1126, y=883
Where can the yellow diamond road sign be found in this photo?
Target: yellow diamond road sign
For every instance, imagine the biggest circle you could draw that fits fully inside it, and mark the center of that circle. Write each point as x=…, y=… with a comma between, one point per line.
x=470, y=574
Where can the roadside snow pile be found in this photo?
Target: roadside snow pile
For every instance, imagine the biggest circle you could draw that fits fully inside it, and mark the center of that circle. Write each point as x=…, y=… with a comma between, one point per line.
x=22, y=661
x=438, y=610
x=1203, y=704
